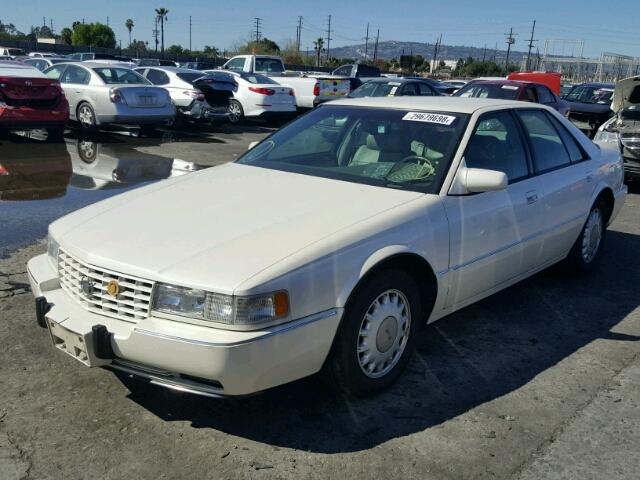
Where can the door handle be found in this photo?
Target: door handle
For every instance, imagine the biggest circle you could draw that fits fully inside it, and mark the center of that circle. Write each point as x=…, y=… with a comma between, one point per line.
x=589, y=176
x=532, y=197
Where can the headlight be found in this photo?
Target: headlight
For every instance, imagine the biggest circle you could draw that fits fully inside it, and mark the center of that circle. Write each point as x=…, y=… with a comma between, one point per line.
x=219, y=308
x=606, y=137
x=53, y=248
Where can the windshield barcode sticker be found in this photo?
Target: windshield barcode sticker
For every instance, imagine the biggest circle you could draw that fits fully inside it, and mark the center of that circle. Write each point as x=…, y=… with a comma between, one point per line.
x=429, y=118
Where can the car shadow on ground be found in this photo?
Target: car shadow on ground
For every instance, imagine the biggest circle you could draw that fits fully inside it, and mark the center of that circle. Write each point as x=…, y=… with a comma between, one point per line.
x=474, y=356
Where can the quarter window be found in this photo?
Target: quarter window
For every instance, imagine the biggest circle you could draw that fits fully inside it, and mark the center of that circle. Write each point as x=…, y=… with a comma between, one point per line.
x=575, y=152
x=496, y=145
x=548, y=150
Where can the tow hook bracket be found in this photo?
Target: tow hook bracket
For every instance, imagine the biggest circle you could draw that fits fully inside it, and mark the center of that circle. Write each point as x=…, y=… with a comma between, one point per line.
x=102, y=343
x=42, y=308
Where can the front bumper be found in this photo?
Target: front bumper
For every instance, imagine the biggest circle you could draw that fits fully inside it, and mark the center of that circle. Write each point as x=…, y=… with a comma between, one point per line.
x=201, y=360
x=631, y=167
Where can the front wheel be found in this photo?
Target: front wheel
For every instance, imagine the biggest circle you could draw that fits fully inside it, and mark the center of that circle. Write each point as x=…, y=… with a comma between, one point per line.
x=377, y=334
x=588, y=247
x=236, y=113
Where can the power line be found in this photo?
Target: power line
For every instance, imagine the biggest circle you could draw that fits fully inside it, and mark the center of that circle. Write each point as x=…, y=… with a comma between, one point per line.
x=256, y=22
x=511, y=39
x=531, y=42
x=329, y=37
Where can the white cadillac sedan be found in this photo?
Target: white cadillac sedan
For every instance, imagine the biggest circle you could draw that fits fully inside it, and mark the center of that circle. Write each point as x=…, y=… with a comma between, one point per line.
x=329, y=245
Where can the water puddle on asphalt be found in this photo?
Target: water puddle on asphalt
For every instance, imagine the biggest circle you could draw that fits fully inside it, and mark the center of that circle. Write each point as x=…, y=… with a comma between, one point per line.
x=41, y=181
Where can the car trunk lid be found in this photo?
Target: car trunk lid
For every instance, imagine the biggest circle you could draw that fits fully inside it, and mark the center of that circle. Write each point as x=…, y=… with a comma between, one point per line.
x=216, y=91
x=29, y=92
x=143, y=96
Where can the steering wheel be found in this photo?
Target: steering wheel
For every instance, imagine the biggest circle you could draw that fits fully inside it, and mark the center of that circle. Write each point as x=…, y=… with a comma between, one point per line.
x=426, y=168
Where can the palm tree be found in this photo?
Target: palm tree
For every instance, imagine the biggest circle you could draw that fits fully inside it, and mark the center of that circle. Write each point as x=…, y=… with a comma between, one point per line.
x=161, y=16
x=318, y=46
x=129, y=25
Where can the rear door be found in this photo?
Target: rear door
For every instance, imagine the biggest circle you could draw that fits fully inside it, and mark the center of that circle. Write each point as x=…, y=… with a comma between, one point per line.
x=565, y=172
x=495, y=236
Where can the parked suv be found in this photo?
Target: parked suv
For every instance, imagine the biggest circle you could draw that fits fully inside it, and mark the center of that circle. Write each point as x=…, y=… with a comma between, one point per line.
x=590, y=105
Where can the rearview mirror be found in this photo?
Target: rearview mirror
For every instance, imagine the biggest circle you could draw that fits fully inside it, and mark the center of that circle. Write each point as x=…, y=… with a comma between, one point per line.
x=478, y=180
x=252, y=144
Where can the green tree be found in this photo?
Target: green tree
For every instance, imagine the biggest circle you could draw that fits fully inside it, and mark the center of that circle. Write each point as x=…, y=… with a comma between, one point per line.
x=210, y=51
x=129, y=24
x=93, y=34
x=161, y=16
x=66, y=35
x=264, y=46
x=175, y=50
x=137, y=46
x=318, y=46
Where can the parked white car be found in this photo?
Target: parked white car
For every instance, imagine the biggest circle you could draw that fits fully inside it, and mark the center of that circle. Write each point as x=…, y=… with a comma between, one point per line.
x=257, y=96
x=192, y=100
x=331, y=243
x=100, y=94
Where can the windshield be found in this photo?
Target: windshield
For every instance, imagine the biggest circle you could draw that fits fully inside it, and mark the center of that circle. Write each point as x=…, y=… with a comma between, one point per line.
x=383, y=147
x=376, y=89
x=257, y=78
x=190, y=77
x=270, y=65
x=115, y=75
x=484, y=90
x=587, y=94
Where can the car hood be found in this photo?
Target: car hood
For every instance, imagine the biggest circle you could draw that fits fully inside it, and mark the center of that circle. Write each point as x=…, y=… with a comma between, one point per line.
x=217, y=228
x=626, y=94
x=590, y=108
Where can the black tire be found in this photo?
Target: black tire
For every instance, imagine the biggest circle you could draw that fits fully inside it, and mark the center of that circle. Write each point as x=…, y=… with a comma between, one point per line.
x=89, y=122
x=583, y=257
x=345, y=364
x=236, y=112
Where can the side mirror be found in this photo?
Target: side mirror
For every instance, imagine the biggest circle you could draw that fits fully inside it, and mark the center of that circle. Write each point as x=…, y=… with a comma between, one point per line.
x=478, y=180
x=252, y=144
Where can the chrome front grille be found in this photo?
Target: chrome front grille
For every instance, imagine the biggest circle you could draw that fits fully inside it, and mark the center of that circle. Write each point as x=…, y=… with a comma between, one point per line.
x=630, y=141
x=88, y=285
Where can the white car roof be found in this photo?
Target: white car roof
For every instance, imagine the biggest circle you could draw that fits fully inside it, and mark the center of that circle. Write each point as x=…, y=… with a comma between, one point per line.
x=18, y=69
x=173, y=69
x=438, y=104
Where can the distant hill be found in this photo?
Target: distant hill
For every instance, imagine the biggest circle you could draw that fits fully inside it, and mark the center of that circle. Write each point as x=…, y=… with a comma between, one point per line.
x=393, y=49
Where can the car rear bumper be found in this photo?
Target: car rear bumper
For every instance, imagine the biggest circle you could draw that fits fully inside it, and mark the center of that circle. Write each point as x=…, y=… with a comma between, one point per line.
x=32, y=118
x=181, y=356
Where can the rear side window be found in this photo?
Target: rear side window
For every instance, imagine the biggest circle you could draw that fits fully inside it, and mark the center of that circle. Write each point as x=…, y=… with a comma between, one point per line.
x=269, y=65
x=76, y=75
x=410, y=89
x=496, y=145
x=55, y=72
x=544, y=95
x=425, y=90
x=576, y=153
x=157, y=77
x=548, y=149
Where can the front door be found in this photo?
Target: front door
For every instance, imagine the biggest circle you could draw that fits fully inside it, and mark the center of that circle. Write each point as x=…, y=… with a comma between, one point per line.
x=74, y=80
x=495, y=236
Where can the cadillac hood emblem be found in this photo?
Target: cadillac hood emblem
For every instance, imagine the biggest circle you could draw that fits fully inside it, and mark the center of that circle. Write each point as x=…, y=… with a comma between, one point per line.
x=86, y=286
x=113, y=288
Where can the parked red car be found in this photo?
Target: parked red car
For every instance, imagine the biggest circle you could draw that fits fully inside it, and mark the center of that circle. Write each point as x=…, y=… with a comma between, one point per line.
x=514, y=90
x=29, y=100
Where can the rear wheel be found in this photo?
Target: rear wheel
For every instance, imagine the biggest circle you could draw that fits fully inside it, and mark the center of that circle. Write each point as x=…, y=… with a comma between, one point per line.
x=588, y=247
x=377, y=334
x=236, y=113
x=86, y=116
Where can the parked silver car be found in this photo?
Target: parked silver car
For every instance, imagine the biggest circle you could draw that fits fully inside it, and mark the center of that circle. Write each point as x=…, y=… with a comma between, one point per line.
x=101, y=94
x=191, y=100
x=44, y=62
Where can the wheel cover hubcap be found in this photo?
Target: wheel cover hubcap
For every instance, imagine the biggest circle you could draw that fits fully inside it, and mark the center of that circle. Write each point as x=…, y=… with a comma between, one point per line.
x=234, y=110
x=85, y=116
x=592, y=236
x=383, y=333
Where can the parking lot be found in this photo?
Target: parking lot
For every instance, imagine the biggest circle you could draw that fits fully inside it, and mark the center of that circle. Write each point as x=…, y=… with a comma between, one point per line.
x=539, y=381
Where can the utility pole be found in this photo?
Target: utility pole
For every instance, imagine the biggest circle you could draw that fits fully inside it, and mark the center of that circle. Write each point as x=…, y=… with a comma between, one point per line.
x=329, y=38
x=257, y=21
x=366, y=44
x=190, y=33
x=436, y=49
x=511, y=39
x=155, y=34
x=484, y=53
x=51, y=25
x=107, y=21
x=531, y=41
x=299, y=34
x=375, y=49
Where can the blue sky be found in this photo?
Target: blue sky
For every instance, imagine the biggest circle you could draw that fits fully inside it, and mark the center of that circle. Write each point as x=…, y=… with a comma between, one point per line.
x=603, y=25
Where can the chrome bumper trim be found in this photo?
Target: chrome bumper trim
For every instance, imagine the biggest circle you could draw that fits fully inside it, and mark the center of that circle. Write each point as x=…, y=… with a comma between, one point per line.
x=277, y=330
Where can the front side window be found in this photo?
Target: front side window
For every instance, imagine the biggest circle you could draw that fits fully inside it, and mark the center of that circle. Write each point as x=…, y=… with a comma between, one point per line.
x=425, y=90
x=235, y=65
x=387, y=148
x=75, y=75
x=496, y=145
x=376, y=89
x=116, y=75
x=256, y=78
x=548, y=150
x=545, y=96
